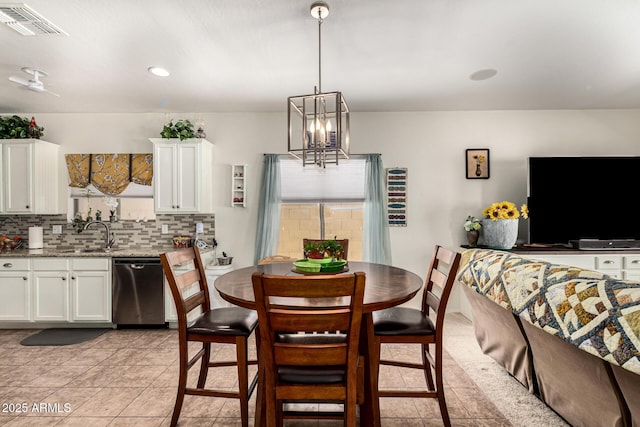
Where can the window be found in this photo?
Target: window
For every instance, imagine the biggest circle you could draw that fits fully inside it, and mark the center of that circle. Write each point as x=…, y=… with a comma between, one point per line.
x=135, y=203
x=321, y=203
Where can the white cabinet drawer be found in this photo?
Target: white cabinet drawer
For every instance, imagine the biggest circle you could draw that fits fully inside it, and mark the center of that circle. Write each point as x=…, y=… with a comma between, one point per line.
x=632, y=262
x=9, y=264
x=50, y=264
x=608, y=262
x=94, y=264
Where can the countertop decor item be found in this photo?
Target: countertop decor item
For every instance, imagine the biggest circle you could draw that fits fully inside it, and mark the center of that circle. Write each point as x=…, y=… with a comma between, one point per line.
x=181, y=241
x=224, y=259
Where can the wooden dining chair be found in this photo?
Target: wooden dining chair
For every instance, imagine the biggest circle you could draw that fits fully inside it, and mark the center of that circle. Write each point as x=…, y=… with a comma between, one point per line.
x=302, y=367
x=424, y=326
x=197, y=322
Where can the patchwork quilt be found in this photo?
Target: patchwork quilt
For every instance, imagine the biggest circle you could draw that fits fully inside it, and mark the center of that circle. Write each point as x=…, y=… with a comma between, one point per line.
x=591, y=310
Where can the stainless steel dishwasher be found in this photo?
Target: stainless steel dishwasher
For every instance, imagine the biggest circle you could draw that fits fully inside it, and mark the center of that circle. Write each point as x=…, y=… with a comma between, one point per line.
x=138, y=292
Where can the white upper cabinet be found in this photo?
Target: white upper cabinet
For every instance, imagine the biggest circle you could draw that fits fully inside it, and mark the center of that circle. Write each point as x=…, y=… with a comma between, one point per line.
x=32, y=182
x=183, y=176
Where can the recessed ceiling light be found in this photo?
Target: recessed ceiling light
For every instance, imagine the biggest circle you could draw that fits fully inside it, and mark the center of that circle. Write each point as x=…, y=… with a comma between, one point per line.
x=159, y=71
x=483, y=74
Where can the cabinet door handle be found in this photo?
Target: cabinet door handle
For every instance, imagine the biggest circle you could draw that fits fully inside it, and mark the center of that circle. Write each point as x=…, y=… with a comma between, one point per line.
x=7, y=265
x=635, y=261
x=24, y=278
x=73, y=277
x=608, y=262
x=27, y=206
x=63, y=279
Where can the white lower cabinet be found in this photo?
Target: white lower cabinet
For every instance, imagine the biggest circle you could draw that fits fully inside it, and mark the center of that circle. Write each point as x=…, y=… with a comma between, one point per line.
x=55, y=289
x=620, y=266
x=90, y=290
x=50, y=290
x=15, y=289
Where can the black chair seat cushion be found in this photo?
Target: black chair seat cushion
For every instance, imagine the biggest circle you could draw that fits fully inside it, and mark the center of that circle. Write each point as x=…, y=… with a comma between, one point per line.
x=311, y=374
x=233, y=321
x=402, y=321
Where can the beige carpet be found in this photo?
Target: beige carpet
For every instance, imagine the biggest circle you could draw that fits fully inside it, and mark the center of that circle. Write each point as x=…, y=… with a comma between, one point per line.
x=520, y=407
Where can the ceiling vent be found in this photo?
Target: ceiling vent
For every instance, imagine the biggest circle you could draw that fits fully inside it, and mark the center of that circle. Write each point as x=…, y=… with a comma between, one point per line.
x=27, y=21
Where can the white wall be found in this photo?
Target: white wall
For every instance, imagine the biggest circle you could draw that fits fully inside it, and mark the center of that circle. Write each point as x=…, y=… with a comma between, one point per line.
x=430, y=144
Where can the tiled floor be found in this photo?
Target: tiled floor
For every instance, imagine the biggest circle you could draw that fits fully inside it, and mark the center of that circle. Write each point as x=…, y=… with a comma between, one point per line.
x=128, y=378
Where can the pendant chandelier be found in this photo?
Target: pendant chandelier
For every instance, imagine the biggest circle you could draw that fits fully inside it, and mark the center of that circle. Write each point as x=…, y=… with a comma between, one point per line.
x=318, y=123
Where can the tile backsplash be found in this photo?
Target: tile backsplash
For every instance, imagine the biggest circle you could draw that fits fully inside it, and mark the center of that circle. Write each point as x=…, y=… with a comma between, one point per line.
x=129, y=234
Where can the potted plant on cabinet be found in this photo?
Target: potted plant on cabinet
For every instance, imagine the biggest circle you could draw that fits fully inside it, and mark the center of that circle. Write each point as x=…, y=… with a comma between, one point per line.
x=182, y=129
x=16, y=127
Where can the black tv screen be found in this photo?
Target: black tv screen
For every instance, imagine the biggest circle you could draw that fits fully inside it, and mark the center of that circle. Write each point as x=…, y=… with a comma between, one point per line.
x=574, y=198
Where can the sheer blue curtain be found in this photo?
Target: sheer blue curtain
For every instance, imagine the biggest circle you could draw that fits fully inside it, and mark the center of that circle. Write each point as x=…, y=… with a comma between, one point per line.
x=268, y=228
x=376, y=246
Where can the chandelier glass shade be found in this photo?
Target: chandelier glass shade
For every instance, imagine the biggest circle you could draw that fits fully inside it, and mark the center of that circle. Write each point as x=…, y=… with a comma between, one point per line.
x=318, y=123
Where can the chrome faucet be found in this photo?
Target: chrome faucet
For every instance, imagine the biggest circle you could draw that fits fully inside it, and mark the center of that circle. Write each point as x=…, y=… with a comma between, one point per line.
x=109, y=238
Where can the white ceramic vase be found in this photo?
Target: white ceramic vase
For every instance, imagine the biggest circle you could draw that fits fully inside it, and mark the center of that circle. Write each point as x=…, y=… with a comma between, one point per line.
x=500, y=234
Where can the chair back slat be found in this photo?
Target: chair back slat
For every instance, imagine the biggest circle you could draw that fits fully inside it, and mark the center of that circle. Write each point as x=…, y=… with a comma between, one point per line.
x=310, y=320
x=189, y=287
x=311, y=355
x=442, y=273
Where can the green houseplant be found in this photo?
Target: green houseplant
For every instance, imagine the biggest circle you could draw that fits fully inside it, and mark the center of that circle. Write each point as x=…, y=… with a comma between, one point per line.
x=182, y=129
x=333, y=248
x=16, y=127
x=313, y=250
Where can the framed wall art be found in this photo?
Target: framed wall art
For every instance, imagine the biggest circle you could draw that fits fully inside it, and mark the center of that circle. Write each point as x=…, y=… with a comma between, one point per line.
x=477, y=163
x=397, y=197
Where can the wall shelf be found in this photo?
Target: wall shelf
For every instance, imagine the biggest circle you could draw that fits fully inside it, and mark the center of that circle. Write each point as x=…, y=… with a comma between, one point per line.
x=239, y=186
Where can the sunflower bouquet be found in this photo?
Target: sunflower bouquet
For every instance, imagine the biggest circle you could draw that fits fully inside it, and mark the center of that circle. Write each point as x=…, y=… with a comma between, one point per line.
x=505, y=210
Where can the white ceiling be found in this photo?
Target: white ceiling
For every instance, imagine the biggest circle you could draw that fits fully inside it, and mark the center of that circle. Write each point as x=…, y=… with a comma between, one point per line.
x=400, y=55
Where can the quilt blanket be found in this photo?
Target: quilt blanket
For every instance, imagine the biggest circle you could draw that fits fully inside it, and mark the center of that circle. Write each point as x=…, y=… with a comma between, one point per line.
x=595, y=312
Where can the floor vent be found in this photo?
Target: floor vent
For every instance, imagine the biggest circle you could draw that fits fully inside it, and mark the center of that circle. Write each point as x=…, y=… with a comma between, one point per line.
x=27, y=21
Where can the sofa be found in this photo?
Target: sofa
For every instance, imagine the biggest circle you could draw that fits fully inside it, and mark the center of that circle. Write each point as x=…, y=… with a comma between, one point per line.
x=570, y=336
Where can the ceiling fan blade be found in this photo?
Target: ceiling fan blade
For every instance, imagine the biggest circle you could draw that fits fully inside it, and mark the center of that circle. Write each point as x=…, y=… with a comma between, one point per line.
x=19, y=80
x=52, y=93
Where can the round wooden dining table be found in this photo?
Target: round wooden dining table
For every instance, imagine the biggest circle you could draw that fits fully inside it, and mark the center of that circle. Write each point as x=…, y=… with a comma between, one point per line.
x=386, y=286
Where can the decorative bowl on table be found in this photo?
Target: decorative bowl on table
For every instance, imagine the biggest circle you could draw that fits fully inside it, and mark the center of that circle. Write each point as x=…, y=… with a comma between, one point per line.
x=325, y=260
x=305, y=266
x=333, y=266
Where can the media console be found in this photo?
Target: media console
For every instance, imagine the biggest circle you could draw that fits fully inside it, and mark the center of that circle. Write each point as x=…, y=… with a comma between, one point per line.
x=595, y=244
x=621, y=263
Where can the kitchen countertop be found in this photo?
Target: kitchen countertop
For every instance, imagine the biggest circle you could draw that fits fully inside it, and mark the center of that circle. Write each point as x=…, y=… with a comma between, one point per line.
x=93, y=252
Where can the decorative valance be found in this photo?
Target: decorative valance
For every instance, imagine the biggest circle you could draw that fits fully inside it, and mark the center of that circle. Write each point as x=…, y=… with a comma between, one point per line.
x=109, y=173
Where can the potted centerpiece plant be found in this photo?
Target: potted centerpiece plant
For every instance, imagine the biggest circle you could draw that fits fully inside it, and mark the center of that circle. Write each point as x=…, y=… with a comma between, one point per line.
x=333, y=248
x=314, y=250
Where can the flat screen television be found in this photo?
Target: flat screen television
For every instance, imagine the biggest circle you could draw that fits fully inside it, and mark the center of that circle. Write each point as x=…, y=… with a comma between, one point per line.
x=574, y=199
